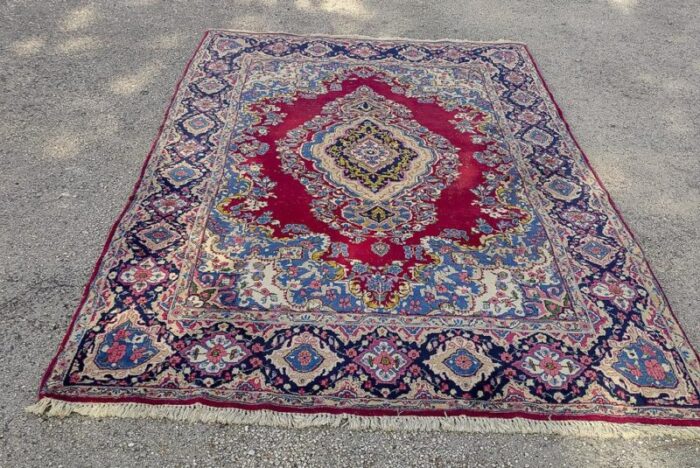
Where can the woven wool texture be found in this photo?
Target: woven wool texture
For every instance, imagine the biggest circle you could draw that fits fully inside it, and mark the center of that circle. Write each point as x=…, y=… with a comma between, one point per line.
x=375, y=233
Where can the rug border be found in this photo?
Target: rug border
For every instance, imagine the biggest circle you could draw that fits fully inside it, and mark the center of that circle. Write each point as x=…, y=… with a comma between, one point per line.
x=118, y=220
x=610, y=199
x=207, y=410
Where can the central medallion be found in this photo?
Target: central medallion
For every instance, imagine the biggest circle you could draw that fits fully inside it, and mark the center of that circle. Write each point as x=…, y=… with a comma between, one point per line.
x=373, y=171
x=370, y=154
x=361, y=196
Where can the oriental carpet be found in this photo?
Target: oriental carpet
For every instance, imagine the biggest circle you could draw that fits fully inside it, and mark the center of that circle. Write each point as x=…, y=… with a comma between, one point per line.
x=373, y=233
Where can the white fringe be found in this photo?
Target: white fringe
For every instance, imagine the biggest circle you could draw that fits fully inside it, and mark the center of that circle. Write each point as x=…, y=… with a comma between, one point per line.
x=208, y=414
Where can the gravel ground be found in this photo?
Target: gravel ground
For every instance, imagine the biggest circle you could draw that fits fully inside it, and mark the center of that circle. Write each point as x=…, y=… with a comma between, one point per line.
x=84, y=85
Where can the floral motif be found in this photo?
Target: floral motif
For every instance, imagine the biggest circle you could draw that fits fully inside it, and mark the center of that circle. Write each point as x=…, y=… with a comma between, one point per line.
x=613, y=289
x=550, y=366
x=216, y=353
x=140, y=277
x=125, y=347
x=383, y=361
x=304, y=358
x=459, y=364
x=645, y=364
x=463, y=363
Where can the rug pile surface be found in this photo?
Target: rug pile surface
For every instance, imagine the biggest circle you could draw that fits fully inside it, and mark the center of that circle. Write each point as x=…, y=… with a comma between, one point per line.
x=376, y=233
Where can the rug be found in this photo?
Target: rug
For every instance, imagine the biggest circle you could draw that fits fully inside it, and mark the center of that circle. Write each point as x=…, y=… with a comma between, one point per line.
x=375, y=234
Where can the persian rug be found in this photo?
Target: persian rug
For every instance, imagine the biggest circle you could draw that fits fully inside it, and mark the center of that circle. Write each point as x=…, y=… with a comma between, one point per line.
x=373, y=233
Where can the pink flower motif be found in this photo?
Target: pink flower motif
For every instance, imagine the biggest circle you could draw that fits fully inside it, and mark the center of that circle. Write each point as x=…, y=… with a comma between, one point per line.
x=655, y=369
x=384, y=361
x=615, y=290
x=550, y=366
x=116, y=352
x=214, y=354
x=634, y=370
x=506, y=357
x=364, y=51
x=140, y=277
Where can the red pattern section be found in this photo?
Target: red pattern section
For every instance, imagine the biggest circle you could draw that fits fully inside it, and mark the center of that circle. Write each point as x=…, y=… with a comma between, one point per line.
x=454, y=207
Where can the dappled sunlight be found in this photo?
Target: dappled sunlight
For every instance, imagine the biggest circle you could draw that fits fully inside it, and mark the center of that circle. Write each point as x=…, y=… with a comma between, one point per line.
x=343, y=7
x=646, y=77
x=678, y=122
x=669, y=205
x=165, y=41
x=139, y=2
x=625, y=6
x=613, y=177
x=62, y=145
x=680, y=39
x=79, y=18
x=679, y=85
x=28, y=47
x=621, y=179
x=134, y=82
x=78, y=44
x=66, y=143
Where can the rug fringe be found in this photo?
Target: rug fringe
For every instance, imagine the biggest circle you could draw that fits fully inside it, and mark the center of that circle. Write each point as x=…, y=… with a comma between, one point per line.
x=202, y=413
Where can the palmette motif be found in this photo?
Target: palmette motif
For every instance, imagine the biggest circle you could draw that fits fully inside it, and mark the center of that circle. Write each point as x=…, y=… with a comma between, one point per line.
x=375, y=227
